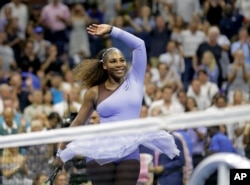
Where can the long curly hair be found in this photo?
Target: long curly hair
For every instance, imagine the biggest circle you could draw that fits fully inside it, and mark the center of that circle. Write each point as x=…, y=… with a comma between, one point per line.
x=90, y=72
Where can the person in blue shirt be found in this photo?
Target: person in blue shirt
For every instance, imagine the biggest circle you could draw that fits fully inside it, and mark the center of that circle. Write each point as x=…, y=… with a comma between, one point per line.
x=169, y=171
x=219, y=143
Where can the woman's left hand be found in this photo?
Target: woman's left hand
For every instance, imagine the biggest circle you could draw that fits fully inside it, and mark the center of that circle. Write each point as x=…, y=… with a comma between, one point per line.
x=99, y=29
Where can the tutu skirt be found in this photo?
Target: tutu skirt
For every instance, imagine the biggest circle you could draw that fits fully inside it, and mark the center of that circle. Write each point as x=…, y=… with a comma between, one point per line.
x=112, y=148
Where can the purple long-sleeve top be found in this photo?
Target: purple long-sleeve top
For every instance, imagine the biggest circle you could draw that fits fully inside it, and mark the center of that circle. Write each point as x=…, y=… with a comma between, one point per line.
x=125, y=103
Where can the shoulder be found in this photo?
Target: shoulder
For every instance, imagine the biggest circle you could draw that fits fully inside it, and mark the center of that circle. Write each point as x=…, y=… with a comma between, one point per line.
x=91, y=93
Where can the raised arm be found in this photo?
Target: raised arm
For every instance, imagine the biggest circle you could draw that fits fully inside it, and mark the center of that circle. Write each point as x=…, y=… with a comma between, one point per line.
x=136, y=44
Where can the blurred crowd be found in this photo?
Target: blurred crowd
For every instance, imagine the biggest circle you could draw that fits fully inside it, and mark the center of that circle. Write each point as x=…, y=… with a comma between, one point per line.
x=198, y=60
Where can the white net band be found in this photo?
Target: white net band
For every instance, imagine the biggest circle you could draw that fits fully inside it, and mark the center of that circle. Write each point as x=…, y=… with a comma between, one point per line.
x=172, y=122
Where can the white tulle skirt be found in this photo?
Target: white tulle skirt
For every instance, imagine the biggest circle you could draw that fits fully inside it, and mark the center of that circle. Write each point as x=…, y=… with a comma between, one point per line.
x=112, y=148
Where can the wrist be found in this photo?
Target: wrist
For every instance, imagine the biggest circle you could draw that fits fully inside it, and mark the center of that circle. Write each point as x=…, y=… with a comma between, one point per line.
x=110, y=30
x=58, y=153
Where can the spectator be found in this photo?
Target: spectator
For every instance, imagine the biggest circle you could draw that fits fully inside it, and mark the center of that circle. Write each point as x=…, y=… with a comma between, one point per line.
x=173, y=58
x=18, y=10
x=16, y=82
x=55, y=18
x=14, y=167
x=160, y=35
x=213, y=11
x=199, y=95
x=6, y=54
x=238, y=76
x=242, y=44
x=186, y=9
x=29, y=62
x=170, y=170
x=212, y=46
x=79, y=40
x=40, y=44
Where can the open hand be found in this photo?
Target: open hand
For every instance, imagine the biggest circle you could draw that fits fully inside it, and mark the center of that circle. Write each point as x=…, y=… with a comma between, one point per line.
x=99, y=29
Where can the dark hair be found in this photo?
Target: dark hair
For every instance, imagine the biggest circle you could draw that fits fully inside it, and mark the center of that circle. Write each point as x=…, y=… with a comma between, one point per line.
x=90, y=72
x=54, y=115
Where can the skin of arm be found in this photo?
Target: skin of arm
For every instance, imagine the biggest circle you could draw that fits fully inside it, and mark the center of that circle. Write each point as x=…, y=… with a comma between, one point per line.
x=85, y=110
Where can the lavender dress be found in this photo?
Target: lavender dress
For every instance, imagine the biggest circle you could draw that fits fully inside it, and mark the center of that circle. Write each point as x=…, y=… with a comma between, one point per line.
x=123, y=104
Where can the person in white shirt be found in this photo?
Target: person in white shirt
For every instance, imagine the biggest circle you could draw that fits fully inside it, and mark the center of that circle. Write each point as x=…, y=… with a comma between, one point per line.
x=68, y=105
x=173, y=58
x=190, y=38
x=208, y=87
x=201, y=97
x=166, y=106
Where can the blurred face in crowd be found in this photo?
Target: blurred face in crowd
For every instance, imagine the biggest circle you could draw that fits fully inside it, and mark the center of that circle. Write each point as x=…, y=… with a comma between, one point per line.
x=207, y=58
x=213, y=34
x=238, y=97
x=171, y=46
x=193, y=26
x=94, y=118
x=29, y=48
x=202, y=77
x=150, y=89
x=8, y=12
x=147, y=78
x=144, y=112
x=196, y=86
x=160, y=22
x=182, y=97
x=61, y=179
x=8, y=115
x=157, y=95
x=190, y=105
x=41, y=179
x=16, y=80
x=37, y=97
x=5, y=91
x=167, y=94
x=36, y=126
x=145, y=11
x=47, y=97
x=243, y=34
x=163, y=69
x=178, y=21
x=221, y=102
x=56, y=81
x=119, y=22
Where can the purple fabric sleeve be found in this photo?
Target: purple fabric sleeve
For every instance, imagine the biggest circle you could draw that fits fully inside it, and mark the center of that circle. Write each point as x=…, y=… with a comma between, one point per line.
x=139, y=60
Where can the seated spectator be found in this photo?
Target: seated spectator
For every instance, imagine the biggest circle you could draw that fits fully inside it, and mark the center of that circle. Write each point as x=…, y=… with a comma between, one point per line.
x=40, y=179
x=94, y=118
x=54, y=120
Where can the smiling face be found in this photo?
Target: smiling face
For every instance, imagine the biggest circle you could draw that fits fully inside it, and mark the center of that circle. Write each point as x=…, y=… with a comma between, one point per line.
x=115, y=64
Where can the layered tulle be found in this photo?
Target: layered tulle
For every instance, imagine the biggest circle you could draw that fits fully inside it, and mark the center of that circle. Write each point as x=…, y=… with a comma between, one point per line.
x=111, y=148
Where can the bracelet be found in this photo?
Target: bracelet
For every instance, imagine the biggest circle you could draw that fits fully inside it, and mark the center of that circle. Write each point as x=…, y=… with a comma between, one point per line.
x=59, y=151
x=111, y=28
